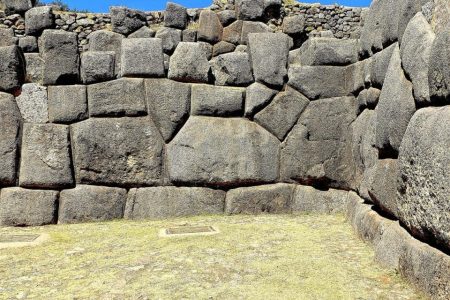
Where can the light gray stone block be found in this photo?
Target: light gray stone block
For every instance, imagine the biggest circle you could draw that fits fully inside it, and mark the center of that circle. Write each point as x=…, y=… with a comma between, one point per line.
x=257, y=96
x=170, y=38
x=189, y=63
x=209, y=100
x=33, y=103
x=175, y=16
x=97, y=66
x=125, y=20
x=12, y=68
x=210, y=29
x=232, y=69
x=142, y=57
x=67, y=103
x=39, y=18
x=307, y=199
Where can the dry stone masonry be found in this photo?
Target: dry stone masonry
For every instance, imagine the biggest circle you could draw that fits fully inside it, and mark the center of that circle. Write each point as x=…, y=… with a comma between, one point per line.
x=245, y=107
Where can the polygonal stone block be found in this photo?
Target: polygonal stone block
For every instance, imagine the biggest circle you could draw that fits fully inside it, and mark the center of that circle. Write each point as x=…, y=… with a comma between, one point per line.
x=33, y=103
x=67, y=103
x=12, y=68
x=37, y=19
x=175, y=16
x=142, y=57
x=209, y=100
x=97, y=66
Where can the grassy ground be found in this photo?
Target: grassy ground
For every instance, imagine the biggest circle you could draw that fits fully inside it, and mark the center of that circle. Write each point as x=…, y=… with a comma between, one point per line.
x=263, y=257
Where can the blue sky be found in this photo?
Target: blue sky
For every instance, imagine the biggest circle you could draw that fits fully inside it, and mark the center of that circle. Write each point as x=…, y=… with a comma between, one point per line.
x=102, y=5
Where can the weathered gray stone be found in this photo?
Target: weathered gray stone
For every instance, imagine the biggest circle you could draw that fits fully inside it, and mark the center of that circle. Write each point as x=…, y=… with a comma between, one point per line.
x=395, y=108
x=294, y=25
x=28, y=44
x=97, y=66
x=9, y=139
x=142, y=57
x=408, y=9
x=189, y=63
x=34, y=68
x=329, y=51
x=227, y=16
x=256, y=9
x=67, y=103
x=12, y=68
x=424, y=166
x=164, y=202
x=170, y=38
x=21, y=207
x=168, y=103
x=59, y=50
x=210, y=29
x=16, y=6
x=125, y=96
x=320, y=145
x=257, y=96
x=104, y=40
x=143, y=32
x=189, y=35
x=310, y=200
x=383, y=190
x=207, y=48
x=372, y=97
x=125, y=152
x=439, y=69
x=282, y=113
x=7, y=37
x=45, y=160
x=91, y=203
x=33, y=103
x=232, y=69
x=222, y=48
x=249, y=27
x=39, y=18
x=380, y=64
x=232, y=33
x=415, y=53
x=175, y=16
x=274, y=199
x=210, y=100
x=241, y=49
x=125, y=20
x=269, y=57
x=219, y=152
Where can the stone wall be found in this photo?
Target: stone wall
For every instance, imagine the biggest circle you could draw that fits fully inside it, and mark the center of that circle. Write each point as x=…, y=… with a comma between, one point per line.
x=232, y=117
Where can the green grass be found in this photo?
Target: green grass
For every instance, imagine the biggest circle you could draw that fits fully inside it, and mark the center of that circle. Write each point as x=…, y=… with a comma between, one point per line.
x=262, y=257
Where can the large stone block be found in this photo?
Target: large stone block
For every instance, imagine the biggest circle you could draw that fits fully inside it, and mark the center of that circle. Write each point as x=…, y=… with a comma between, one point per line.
x=143, y=32
x=21, y=207
x=329, y=51
x=223, y=47
x=249, y=27
x=227, y=16
x=269, y=56
x=282, y=113
x=59, y=50
x=257, y=96
x=104, y=40
x=383, y=190
x=170, y=38
x=28, y=44
x=45, y=160
x=310, y=200
x=97, y=66
x=320, y=145
x=33, y=103
x=168, y=103
x=125, y=96
x=408, y=9
x=7, y=37
x=273, y=198
x=210, y=100
x=210, y=29
x=222, y=152
x=34, y=68
x=17, y=6
x=9, y=139
x=439, y=69
x=142, y=57
x=175, y=16
x=232, y=33
x=424, y=166
x=395, y=108
x=91, y=203
x=232, y=69
x=39, y=18
x=256, y=9
x=122, y=152
x=294, y=25
x=163, y=202
x=67, y=103
x=415, y=51
x=379, y=65
x=125, y=20
x=189, y=63
x=12, y=68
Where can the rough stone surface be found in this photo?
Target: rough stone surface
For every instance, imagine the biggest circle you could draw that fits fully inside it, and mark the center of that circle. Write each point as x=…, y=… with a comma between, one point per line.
x=395, y=108
x=164, y=202
x=380, y=64
x=269, y=57
x=37, y=19
x=294, y=25
x=175, y=16
x=249, y=9
x=125, y=20
x=439, y=70
x=408, y=9
x=232, y=69
x=33, y=103
x=282, y=113
x=170, y=38
x=274, y=198
x=328, y=51
x=34, y=68
x=252, y=27
x=143, y=32
x=223, y=47
x=210, y=29
x=9, y=139
x=424, y=166
x=227, y=16
x=142, y=57
x=217, y=151
x=45, y=160
x=257, y=97
x=383, y=190
x=189, y=63
x=125, y=96
x=59, y=50
x=87, y=203
x=189, y=35
x=317, y=151
x=168, y=103
x=209, y=100
x=67, y=103
x=415, y=52
x=97, y=66
x=16, y=6
x=28, y=44
x=122, y=152
x=311, y=200
x=232, y=33
x=21, y=207
x=12, y=68
x=104, y=40
x=7, y=37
